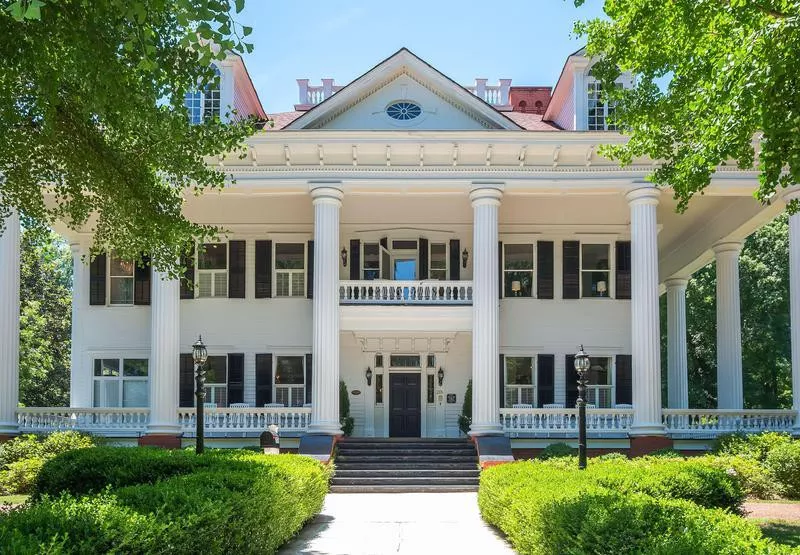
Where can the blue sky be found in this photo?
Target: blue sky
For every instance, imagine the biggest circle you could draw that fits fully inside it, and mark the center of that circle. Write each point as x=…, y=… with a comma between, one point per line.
x=526, y=41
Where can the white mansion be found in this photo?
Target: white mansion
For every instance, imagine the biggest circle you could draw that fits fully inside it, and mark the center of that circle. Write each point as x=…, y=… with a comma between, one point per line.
x=405, y=234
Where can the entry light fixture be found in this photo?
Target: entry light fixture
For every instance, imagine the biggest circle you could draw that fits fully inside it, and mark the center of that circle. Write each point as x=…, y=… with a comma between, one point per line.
x=369, y=375
x=582, y=364
x=440, y=375
x=464, y=258
x=344, y=257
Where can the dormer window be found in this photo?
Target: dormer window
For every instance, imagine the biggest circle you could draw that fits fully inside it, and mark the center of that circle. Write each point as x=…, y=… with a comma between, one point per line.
x=599, y=112
x=204, y=105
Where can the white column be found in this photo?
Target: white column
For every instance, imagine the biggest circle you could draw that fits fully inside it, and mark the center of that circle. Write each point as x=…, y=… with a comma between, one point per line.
x=677, y=366
x=485, y=310
x=645, y=332
x=80, y=382
x=730, y=393
x=325, y=376
x=9, y=324
x=164, y=354
x=794, y=303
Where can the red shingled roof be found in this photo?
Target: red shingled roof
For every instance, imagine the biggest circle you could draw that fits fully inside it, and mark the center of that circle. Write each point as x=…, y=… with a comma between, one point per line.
x=283, y=119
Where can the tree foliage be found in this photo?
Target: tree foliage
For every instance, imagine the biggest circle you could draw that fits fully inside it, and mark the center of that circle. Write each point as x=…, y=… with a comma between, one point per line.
x=45, y=316
x=730, y=68
x=94, y=129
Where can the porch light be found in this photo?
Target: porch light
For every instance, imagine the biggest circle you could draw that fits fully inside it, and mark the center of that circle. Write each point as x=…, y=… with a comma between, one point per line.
x=464, y=258
x=344, y=257
x=199, y=351
x=582, y=364
x=440, y=375
x=369, y=375
x=200, y=356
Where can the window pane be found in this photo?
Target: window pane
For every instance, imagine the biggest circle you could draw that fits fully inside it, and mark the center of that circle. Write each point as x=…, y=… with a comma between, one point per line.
x=379, y=388
x=298, y=284
x=215, y=257
x=595, y=284
x=120, y=267
x=518, y=257
x=598, y=371
x=106, y=367
x=439, y=274
x=289, y=370
x=378, y=361
x=404, y=361
x=193, y=101
x=404, y=245
x=289, y=256
x=371, y=256
x=282, y=285
x=518, y=284
x=438, y=256
x=106, y=393
x=431, y=361
x=519, y=370
x=216, y=369
x=121, y=290
x=134, y=393
x=430, y=388
x=134, y=367
x=594, y=257
x=211, y=104
x=405, y=269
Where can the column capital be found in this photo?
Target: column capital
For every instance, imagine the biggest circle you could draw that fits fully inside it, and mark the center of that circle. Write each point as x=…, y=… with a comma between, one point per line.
x=643, y=194
x=486, y=193
x=676, y=283
x=727, y=247
x=329, y=192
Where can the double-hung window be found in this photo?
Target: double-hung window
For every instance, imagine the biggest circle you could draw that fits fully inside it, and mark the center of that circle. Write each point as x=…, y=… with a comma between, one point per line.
x=204, y=105
x=212, y=270
x=290, y=273
x=216, y=387
x=601, y=112
x=290, y=387
x=595, y=270
x=438, y=261
x=120, y=273
x=120, y=382
x=520, y=387
x=517, y=270
x=599, y=391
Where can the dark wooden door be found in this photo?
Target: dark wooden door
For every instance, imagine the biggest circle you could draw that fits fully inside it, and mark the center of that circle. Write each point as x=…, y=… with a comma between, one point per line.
x=404, y=405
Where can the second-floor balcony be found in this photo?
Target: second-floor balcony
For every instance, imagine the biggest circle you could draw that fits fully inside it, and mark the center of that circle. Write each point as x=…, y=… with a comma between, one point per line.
x=394, y=292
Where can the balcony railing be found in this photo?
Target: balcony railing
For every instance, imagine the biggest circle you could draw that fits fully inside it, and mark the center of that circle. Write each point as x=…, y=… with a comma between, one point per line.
x=707, y=423
x=564, y=422
x=406, y=292
x=108, y=421
x=256, y=419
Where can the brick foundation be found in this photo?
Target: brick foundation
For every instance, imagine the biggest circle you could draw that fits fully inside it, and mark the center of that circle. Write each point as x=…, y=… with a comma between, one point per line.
x=165, y=441
x=644, y=445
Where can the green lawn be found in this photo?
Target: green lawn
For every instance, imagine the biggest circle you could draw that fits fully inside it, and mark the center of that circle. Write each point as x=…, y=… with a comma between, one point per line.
x=12, y=499
x=786, y=532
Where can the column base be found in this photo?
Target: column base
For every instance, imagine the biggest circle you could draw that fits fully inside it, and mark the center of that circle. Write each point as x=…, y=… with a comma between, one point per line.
x=485, y=430
x=165, y=441
x=325, y=428
x=644, y=445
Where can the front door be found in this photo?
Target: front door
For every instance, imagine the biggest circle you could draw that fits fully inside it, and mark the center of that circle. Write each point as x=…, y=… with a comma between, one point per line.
x=404, y=404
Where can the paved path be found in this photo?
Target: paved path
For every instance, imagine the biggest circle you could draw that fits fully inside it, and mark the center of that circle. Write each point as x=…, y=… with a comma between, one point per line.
x=782, y=511
x=398, y=523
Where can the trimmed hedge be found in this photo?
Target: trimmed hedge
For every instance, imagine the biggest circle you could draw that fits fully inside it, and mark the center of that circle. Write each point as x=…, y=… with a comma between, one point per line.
x=617, y=507
x=221, y=502
x=783, y=463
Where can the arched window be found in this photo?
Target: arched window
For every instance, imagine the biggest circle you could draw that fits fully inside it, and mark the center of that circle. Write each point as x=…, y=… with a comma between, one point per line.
x=205, y=104
x=522, y=106
x=538, y=104
x=599, y=111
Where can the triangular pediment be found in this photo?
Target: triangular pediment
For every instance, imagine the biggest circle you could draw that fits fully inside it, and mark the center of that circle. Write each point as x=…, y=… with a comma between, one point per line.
x=368, y=102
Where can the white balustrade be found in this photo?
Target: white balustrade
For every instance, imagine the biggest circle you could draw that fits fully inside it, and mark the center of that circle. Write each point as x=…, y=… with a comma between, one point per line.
x=496, y=95
x=316, y=94
x=105, y=421
x=713, y=422
x=405, y=292
x=256, y=419
x=565, y=421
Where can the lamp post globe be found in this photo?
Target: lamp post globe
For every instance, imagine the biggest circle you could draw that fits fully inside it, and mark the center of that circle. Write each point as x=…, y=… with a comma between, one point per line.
x=582, y=364
x=200, y=356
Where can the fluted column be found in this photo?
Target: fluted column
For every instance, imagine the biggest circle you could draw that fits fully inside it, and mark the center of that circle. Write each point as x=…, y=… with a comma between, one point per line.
x=645, y=332
x=9, y=324
x=80, y=380
x=164, y=354
x=325, y=377
x=794, y=303
x=485, y=310
x=677, y=366
x=730, y=393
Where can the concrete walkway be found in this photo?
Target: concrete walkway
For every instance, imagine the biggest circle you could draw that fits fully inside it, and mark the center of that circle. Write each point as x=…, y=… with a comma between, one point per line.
x=404, y=523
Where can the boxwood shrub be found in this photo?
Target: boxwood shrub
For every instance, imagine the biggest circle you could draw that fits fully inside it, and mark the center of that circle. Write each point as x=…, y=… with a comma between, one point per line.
x=222, y=502
x=616, y=507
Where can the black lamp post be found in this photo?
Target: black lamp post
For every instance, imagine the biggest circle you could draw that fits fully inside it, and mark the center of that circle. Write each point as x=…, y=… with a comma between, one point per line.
x=200, y=355
x=582, y=367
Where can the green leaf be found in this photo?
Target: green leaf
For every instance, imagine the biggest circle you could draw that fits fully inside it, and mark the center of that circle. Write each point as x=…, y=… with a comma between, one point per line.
x=246, y=30
x=239, y=6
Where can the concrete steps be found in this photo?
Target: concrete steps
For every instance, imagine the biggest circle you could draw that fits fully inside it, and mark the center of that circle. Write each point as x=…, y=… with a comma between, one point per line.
x=395, y=465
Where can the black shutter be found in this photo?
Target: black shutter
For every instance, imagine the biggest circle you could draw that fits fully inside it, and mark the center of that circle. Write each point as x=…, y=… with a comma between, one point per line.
x=186, y=380
x=309, y=373
x=572, y=381
x=236, y=270
x=97, y=280
x=623, y=288
x=187, y=283
x=355, y=259
x=263, y=379
x=499, y=267
x=423, y=259
x=310, y=271
x=263, y=270
x=571, y=270
x=502, y=374
x=235, y=378
x=544, y=269
x=624, y=379
x=141, y=282
x=545, y=379
x=455, y=256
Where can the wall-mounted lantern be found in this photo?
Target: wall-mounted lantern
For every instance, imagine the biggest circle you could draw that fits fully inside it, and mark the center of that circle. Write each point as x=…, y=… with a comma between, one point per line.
x=344, y=257
x=368, y=374
x=440, y=375
x=464, y=258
